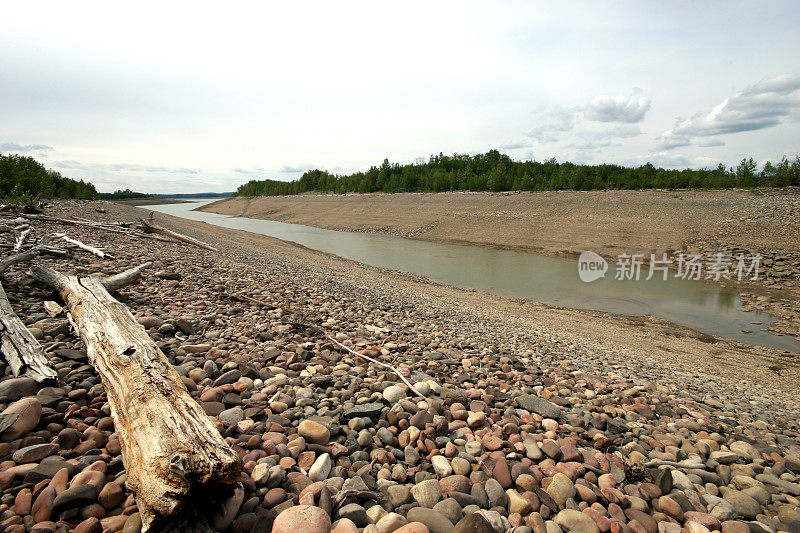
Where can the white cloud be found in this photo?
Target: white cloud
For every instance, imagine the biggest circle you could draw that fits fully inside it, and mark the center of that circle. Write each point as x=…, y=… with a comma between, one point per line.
x=710, y=143
x=296, y=169
x=763, y=105
x=122, y=167
x=515, y=145
x=669, y=140
x=618, y=109
x=254, y=170
x=552, y=122
x=23, y=148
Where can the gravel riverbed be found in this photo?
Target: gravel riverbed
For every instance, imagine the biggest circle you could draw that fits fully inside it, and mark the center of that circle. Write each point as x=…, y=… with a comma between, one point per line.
x=523, y=417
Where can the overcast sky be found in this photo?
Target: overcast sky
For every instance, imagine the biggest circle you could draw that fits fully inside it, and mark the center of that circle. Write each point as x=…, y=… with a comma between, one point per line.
x=161, y=97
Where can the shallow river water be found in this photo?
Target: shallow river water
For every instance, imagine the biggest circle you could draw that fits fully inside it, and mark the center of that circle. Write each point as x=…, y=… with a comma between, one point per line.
x=701, y=306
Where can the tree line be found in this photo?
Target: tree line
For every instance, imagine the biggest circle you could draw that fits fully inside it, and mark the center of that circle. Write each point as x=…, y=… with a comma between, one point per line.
x=494, y=171
x=123, y=194
x=23, y=178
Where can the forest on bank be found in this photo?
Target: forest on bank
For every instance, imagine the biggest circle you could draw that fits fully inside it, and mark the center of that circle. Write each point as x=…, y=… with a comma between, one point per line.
x=23, y=178
x=494, y=171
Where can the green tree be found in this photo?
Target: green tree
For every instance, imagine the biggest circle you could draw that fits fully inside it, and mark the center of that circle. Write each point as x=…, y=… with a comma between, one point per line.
x=746, y=173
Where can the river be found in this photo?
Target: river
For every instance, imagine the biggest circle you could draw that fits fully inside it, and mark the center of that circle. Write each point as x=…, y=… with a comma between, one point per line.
x=705, y=307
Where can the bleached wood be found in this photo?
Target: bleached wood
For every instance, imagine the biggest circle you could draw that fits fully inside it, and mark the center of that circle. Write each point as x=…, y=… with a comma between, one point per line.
x=174, y=456
x=123, y=279
x=23, y=352
x=91, y=249
x=21, y=239
x=149, y=227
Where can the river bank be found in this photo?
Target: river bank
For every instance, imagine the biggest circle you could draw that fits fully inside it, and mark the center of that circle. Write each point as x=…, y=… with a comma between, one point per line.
x=527, y=405
x=563, y=224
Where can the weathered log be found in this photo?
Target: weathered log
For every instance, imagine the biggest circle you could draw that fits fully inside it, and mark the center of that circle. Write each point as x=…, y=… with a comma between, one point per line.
x=149, y=227
x=176, y=460
x=23, y=352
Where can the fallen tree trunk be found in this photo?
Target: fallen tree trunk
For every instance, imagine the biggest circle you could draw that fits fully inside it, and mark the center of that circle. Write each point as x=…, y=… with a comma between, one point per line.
x=176, y=460
x=149, y=227
x=20, y=348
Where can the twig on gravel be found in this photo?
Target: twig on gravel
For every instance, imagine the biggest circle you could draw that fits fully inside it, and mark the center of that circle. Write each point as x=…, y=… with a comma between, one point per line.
x=361, y=355
x=303, y=324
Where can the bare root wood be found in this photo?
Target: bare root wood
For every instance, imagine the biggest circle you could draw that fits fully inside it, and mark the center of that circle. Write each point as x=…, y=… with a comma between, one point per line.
x=23, y=352
x=173, y=454
x=149, y=227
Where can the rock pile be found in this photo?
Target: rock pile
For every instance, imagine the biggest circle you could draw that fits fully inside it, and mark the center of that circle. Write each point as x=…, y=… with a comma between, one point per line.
x=503, y=441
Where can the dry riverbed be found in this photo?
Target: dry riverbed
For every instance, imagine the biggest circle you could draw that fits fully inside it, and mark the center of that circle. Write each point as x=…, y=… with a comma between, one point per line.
x=565, y=223
x=534, y=416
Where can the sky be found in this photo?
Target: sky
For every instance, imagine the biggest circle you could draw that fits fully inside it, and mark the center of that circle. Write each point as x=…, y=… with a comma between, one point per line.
x=181, y=97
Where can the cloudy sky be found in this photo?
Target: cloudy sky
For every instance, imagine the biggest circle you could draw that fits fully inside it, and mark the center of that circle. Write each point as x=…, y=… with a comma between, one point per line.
x=178, y=97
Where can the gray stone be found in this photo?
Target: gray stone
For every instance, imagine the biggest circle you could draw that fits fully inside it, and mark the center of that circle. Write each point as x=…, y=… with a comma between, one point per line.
x=35, y=453
x=398, y=495
x=441, y=465
x=77, y=496
x=538, y=405
x=496, y=493
x=745, y=505
x=231, y=376
x=232, y=416
x=354, y=512
x=451, y=509
x=16, y=388
x=53, y=326
x=370, y=410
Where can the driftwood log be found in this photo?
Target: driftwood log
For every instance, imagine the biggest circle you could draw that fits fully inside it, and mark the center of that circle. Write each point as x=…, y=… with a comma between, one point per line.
x=149, y=227
x=177, y=463
x=20, y=348
x=23, y=352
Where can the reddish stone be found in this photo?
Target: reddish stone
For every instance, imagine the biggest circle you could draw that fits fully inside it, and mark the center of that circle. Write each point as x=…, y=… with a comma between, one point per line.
x=502, y=474
x=703, y=518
